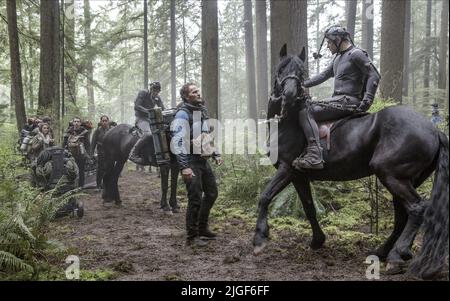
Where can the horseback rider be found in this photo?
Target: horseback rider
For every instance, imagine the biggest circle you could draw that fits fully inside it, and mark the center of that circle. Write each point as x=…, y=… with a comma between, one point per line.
x=356, y=81
x=145, y=101
x=97, y=143
x=76, y=140
x=195, y=169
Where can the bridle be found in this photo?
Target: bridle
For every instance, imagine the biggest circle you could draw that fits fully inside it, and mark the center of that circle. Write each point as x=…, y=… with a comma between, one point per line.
x=280, y=82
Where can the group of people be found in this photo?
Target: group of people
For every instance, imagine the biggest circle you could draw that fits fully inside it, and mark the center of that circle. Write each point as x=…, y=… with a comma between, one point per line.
x=76, y=141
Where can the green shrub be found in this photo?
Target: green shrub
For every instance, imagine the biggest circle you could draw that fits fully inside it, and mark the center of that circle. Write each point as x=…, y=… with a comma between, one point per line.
x=25, y=214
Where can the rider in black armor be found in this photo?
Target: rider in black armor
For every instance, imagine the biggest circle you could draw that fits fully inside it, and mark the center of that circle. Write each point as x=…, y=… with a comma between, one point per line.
x=145, y=101
x=355, y=84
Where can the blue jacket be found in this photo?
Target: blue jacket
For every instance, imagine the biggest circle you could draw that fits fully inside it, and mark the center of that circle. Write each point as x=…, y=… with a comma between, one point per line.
x=189, y=120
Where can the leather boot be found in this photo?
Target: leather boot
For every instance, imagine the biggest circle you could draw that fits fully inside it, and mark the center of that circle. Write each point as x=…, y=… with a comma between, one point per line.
x=203, y=229
x=193, y=239
x=206, y=234
x=134, y=153
x=192, y=222
x=311, y=158
x=196, y=242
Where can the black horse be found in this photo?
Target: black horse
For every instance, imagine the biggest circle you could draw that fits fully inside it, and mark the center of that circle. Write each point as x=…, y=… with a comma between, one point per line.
x=117, y=145
x=396, y=144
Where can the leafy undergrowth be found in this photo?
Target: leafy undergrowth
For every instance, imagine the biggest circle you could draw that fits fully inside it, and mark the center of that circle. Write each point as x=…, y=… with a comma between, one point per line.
x=26, y=250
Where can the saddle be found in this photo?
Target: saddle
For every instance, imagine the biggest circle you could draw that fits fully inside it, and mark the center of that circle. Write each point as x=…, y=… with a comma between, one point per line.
x=328, y=126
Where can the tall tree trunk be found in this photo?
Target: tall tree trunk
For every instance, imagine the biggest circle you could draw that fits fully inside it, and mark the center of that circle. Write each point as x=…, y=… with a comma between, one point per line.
x=30, y=70
x=262, y=80
x=443, y=46
x=392, y=39
x=89, y=61
x=49, y=62
x=367, y=26
x=122, y=101
x=16, y=76
x=413, y=73
x=62, y=65
x=70, y=68
x=427, y=54
x=279, y=31
x=145, y=45
x=298, y=28
x=252, y=112
x=173, y=55
x=184, y=44
x=210, y=57
x=318, y=34
x=406, y=48
x=350, y=13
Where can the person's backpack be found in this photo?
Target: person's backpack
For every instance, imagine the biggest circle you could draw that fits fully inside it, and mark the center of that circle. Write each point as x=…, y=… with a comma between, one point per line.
x=56, y=166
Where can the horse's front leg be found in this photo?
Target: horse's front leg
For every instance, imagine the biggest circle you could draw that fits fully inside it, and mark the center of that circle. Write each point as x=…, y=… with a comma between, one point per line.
x=303, y=187
x=164, y=187
x=174, y=171
x=281, y=179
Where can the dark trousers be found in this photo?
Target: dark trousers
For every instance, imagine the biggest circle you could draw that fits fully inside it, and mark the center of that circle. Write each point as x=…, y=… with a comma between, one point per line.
x=322, y=113
x=202, y=193
x=101, y=168
x=81, y=161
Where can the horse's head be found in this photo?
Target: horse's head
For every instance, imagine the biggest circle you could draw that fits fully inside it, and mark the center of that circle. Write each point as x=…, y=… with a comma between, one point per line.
x=287, y=87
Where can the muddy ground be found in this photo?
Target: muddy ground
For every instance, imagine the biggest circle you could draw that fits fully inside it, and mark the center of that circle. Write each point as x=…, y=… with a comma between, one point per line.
x=139, y=242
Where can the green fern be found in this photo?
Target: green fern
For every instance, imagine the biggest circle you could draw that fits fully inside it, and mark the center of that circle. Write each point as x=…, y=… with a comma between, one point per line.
x=25, y=215
x=9, y=262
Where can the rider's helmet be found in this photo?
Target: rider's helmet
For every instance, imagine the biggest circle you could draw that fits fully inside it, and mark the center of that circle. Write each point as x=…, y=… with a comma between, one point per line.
x=335, y=31
x=155, y=86
x=336, y=34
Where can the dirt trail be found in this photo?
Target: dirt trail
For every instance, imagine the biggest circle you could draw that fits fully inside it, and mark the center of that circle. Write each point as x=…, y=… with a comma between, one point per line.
x=142, y=243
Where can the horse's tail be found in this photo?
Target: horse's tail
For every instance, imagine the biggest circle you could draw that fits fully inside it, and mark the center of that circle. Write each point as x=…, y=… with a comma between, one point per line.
x=434, y=250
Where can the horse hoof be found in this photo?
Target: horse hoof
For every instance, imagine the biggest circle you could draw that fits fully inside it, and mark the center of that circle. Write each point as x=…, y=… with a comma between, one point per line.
x=380, y=253
x=406, y=255
x=168, y=212
x=257, y=250
x=176, y=210
x=106, y=201
x=317, y=243
x=394, y=268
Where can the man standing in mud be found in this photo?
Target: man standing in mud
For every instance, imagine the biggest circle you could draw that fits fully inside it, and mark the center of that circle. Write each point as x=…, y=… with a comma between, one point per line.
x=97, y=141
x=192, y=118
